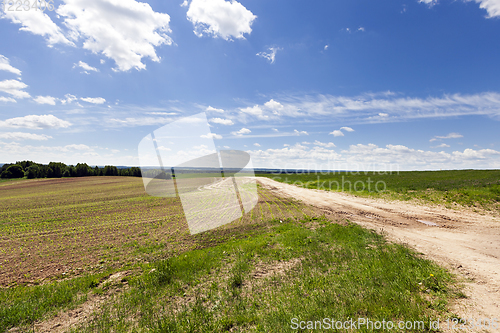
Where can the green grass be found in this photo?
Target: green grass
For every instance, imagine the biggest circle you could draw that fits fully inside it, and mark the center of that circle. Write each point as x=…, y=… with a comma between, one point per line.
x=474, y=188
x=327, y=270
x=23, y=305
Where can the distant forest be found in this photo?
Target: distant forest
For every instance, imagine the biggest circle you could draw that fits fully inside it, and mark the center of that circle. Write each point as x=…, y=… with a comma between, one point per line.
x=31, y=170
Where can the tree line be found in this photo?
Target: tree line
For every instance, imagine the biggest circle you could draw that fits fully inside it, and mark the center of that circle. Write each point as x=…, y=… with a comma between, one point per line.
x=31, y=170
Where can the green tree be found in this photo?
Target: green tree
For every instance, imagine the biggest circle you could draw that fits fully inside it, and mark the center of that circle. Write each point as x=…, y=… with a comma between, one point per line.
x=83, y=170
x=55, y=169
x=33, y=171
x=110, y=170
x=13, y=171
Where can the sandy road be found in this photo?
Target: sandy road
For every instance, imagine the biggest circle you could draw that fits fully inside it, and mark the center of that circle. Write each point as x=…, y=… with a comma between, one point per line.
x=465, y=242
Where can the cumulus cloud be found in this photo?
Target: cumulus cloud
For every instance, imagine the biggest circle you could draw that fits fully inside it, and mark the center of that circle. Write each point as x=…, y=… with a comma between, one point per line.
x=241, y=132
x=256, y=144
x=14, y=88
x=68, y=99
x=38, y=23
x=449, y=136
x=221, y=121
x=7, y=99
x=96, y=100
x=6, y=66
x=123, y=30
x=371, y=157
x=209, y=108
x=326, y=145
x=443, y=145
x=428, y=2
x=24, y=136
x=45, y=100
x=255, y=110
x=347, y=129
x=492, y=7
x=274, y=106
x=86, y=67
x=219, y=18
x=211, y=136
x=271, y=55
x=296, y=132
x=337, y=133
x=35, y=122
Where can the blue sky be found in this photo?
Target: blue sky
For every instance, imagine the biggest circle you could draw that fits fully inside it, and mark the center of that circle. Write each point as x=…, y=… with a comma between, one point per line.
x=358, y=84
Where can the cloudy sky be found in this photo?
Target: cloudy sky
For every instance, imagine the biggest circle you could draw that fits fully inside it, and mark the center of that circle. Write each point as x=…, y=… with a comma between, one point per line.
x=355, y=84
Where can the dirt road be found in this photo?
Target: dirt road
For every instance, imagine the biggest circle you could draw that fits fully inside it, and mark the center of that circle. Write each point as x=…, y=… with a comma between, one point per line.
x=468, y=243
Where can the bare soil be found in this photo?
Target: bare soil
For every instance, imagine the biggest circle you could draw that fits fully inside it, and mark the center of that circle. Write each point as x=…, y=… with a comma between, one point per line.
x=466, y=242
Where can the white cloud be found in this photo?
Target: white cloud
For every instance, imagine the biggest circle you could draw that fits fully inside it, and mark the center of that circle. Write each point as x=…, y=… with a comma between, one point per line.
x=492, y=7
x=372, y=157
x=123, y=30
x=142, y=121
x=296, y=132
x=7, y=99
x=38, y=23
x=275, y=130
x=326, y=145
x=6, y=66
x=184, y=3
x=449, y=136
x=256, y=144
x=361, y=29
x=337, y=133
x=241, y=132
x=24, y=136
x=35, y=122
x=326, y=47
x=365, y=108
x=255, y=110
x=14, y=88
x=209, y=108
x=86, y=66
x=163, y=148
x=219, y=18
x=429, y=2
x=77, y=147
x=347, y=129
x=443, y=145
x=271, y=56
x=45, y=100
x=211, y=136
x=274, y=106
x=222, y=121
x=69, y=98
x=96, y=100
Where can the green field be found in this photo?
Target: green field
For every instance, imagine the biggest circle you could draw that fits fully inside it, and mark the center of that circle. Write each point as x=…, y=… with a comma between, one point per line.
x=62, y=240
x=472, y=188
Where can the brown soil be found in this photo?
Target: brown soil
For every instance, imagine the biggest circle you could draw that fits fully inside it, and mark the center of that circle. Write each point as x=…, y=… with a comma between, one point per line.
x=466, y=242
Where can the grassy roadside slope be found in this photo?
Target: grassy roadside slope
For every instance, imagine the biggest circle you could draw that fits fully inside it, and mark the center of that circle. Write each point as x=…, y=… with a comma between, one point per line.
x=472, y=188
x=309, y=270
